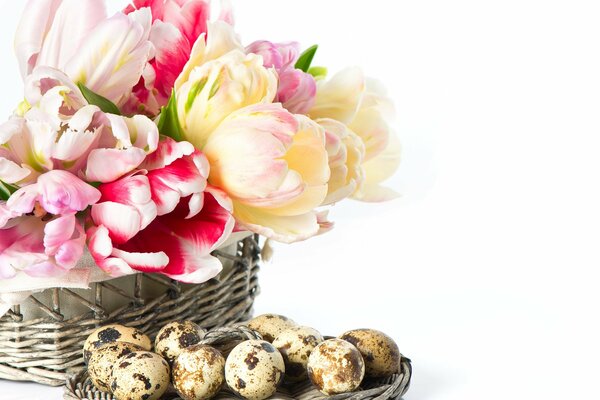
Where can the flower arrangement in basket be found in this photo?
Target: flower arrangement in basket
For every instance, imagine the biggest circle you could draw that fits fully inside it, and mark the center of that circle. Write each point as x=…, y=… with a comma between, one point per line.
x=150, y=140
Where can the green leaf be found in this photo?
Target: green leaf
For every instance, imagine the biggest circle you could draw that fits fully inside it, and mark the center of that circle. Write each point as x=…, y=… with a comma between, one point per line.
x=6, y=190
x=306, y=58
x=318, y=72
x=169, y=120
x=95, y=99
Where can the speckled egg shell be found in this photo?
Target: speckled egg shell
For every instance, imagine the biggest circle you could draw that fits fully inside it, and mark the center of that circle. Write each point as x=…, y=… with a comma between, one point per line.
x=101, y=362
x=253, y=369
x=295, y=345
x=114, y=333
x=270, y=325
x=335, y=367
x=380, y=352
x=173, y=338
x=198, y=372
x=140, y=375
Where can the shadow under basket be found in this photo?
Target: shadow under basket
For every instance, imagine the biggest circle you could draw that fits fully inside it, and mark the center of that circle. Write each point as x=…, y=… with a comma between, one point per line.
x=41, y=340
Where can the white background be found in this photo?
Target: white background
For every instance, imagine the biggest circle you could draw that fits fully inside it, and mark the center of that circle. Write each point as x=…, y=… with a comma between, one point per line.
x=486, y=271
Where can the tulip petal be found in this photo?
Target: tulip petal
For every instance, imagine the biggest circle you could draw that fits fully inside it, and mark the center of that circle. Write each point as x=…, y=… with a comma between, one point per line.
x=340, y=97
x=108, y=165
x=113, y=58
x=378, y=170
x=57, y=232
x=122, y=221
x=221, y=40
x=23, y=200
x=188, y=242
x=101, y=248
x=284, y=229
x=181, y=178
x=61, y=192
x=11, y=173
x=246, y=153
x=144, y=262
x=32, y=30
x=72, y=24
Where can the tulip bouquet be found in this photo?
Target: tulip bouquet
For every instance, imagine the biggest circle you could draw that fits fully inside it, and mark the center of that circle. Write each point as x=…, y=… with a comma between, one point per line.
x=150, y=138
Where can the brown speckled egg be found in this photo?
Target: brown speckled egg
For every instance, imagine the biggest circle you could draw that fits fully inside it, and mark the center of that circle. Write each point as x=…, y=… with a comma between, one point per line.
x=295, y=345
x=173, y=338
x=380, y=352
x=253, y=369
x=270, y=325
x=101, y=362
x=199, y=372
x=335, y=366
x=114, y=333
x=140, y=375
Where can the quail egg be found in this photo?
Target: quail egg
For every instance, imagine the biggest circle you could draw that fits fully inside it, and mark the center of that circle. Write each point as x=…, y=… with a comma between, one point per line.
x=270, y=325
x=114, y=333
x=253, y=369
x=175, y=337
x=101, y=362
x=336, y=366
x=198, y=372
x=380, y=352
x=295, y=345
x=140, y=375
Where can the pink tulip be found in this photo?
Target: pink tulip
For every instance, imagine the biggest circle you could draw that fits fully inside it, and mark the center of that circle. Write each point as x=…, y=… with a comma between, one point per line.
x=173, y=244
x=61, y=132
x=276, y=55
x=39, y=248
x=175, y=171
x=108, y=55
x=297, y=89
x=122, y=148
x=177, y=24
x=57, y=192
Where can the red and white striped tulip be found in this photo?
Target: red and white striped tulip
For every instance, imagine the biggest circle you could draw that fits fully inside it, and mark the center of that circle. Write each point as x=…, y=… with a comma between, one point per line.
x=167, y=221
x=177, y=170
x=125, y=208
x=173, y=244
x=177, y=25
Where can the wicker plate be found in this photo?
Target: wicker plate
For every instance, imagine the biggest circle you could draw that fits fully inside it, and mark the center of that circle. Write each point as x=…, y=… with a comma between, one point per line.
x=79, y=387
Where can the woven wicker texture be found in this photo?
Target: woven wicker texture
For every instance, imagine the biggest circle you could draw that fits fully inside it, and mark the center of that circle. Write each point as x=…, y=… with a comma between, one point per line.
x=79, y=387
x=47, y=349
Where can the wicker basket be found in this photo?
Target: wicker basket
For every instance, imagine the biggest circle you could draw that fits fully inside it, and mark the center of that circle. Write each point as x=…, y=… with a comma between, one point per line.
x=79, y=387
x=43, y=343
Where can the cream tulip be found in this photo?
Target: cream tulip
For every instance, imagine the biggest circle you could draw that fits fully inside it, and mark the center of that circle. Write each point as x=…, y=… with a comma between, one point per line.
x=219, y=87
x=346, y=153
x=274, y=166
x=363, y=105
